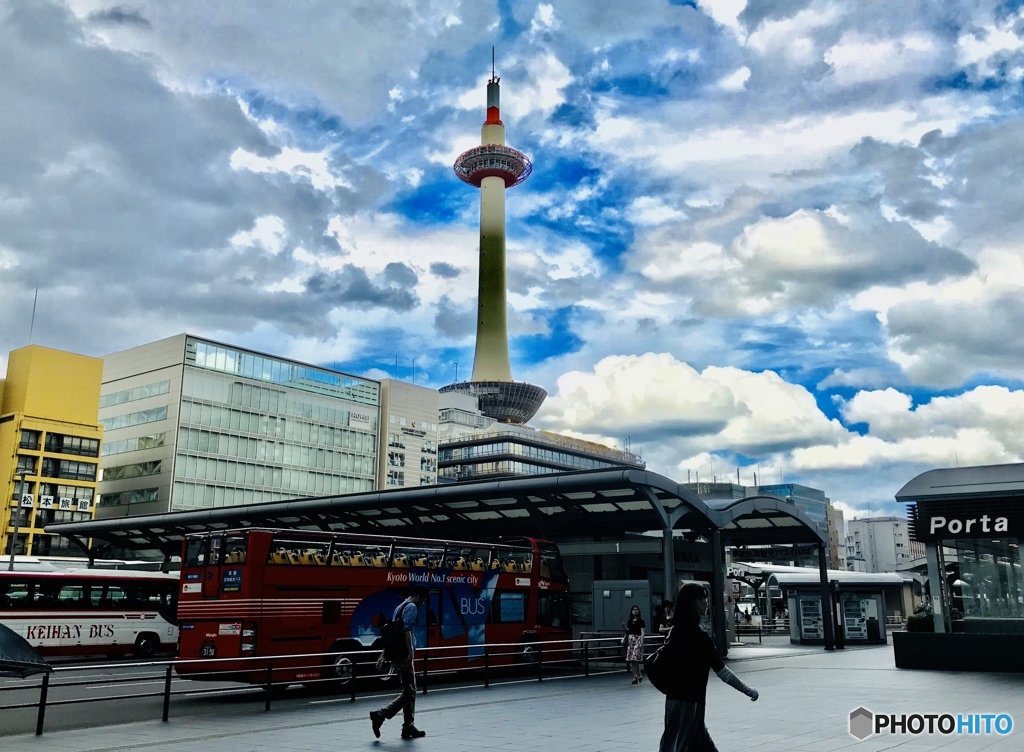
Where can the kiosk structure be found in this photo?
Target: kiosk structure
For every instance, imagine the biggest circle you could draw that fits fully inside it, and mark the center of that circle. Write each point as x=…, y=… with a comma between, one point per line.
x=971, y=521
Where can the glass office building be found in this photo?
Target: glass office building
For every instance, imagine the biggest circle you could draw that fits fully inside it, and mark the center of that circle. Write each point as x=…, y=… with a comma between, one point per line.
x=195, y=424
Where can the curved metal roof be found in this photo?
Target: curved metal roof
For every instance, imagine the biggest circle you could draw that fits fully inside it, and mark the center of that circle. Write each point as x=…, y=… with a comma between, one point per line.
x=765, y=519
x=964, y=482
x=559, y=505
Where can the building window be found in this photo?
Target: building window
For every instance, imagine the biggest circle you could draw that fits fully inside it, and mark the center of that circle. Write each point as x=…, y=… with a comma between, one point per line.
x=139, y=392
x=396, y=459
x=59, y=443
x=396, y=440
x=137, y=496
x=428, y=465
x=26, y=465
x=68, y=469
x=396, y=478
x=29, y=439
x=134, y=419
x=150, y=441
x=134, y=470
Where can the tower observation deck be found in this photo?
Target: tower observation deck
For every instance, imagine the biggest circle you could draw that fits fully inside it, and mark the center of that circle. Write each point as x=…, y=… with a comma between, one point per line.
x=494, y=167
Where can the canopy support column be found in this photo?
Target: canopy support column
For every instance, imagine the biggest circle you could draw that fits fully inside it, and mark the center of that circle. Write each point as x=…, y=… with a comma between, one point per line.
x=826, y=600
x=718, y=593
x=668, y=551
x=936, y=583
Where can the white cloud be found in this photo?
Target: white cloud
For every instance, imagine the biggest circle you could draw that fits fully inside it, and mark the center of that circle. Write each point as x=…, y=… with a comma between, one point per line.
x=656, y=397
x=858, y=59
x=735, y=81
x=299, y=165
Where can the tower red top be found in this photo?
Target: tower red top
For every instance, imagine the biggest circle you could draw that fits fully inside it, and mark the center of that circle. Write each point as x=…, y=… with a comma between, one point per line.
x=493, y=160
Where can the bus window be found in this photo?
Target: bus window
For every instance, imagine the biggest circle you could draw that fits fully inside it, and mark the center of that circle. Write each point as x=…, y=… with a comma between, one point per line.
x=107, y=596
x=517, y=562
x=467, y=558
x=15, y=594
x=195, y=553
x=551, y=567
x=302, y=552
x=552, y=609
x=508, y=607
x=72, y=596
x=419, y=557
x=214, y=552
x=235, y=548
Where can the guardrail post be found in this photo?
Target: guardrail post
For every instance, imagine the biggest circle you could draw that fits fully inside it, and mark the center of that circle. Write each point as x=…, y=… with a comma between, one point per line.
x=270, y=683
x=487, y=667
x=44, y=689
x=352, y=683
x=758, y=634
x=167, y=693
x=586, y=658
x=540, y=662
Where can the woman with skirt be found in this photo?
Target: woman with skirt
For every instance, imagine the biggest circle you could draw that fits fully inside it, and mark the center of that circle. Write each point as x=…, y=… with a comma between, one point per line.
x=635, y=643
x=692, y=655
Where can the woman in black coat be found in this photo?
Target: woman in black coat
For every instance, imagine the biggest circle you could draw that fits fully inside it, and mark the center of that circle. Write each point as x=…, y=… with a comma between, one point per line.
x=692, y=655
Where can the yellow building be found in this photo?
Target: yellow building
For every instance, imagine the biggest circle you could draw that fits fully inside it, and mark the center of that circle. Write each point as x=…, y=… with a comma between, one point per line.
x=49, y=447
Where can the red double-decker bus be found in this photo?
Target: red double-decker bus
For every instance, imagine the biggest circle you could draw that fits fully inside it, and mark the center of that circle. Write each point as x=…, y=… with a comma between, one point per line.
x=266, y=593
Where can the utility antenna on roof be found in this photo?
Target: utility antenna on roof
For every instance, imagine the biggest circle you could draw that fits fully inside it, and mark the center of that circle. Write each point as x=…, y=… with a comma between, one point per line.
x=494, y=78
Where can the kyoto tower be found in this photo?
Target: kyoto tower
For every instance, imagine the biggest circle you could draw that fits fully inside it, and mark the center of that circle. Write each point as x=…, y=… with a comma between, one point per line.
x=493, y=167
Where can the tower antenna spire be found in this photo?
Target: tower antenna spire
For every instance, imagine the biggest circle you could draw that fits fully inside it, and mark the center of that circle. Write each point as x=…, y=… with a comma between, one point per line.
x=494, y=77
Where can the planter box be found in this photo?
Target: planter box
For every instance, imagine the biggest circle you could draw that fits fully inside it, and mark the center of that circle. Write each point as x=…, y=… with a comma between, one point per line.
x=959, y=652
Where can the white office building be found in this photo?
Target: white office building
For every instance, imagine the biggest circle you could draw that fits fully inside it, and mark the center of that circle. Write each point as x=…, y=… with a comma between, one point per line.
x=879, y=544
x=408, y=435
x=195, y=424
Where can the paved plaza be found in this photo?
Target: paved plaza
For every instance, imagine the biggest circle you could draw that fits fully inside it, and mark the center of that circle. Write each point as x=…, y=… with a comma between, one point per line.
x=806, y=698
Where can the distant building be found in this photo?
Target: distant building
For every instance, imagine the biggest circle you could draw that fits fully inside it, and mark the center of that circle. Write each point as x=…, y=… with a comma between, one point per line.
x=880, y=544
x=474, y=446
x=810, y=501
x=408, y=435
x=195, y=424
x=836, y=537
x=49, y=446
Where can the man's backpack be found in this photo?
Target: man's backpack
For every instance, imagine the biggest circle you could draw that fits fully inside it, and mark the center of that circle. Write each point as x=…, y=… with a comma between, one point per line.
x=659, y=669
x=392, y=638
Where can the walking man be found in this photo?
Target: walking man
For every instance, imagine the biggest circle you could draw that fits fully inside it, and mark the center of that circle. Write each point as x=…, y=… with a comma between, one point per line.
x=406, y=612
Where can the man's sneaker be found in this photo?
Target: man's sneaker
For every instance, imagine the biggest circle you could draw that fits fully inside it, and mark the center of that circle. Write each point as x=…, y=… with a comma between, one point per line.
x=377, y=719
x=411, y=732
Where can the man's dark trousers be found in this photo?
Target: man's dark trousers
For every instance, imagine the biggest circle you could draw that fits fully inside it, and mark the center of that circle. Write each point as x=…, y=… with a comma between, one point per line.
x=406, y=701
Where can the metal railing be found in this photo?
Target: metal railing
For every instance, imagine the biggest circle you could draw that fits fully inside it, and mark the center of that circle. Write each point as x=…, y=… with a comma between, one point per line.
x=764, y=627
x=590, y=656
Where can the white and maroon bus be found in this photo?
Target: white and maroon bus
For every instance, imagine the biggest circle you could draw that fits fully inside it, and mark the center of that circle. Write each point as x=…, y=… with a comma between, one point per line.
x=266, y=593
x=90, y=611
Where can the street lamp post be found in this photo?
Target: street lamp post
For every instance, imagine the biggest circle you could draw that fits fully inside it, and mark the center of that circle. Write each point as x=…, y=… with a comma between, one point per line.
x=17, y=519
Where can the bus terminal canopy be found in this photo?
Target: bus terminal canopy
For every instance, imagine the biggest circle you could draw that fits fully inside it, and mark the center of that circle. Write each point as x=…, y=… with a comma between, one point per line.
x=591, y=502
x=604, y=503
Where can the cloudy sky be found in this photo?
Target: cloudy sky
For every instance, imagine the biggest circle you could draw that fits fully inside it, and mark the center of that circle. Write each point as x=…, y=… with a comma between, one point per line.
x=781, y=236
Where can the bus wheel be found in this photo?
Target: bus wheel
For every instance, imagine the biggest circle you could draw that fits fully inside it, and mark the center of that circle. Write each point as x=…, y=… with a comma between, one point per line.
x=528, y=654
x=341, y=663
x=145, y=645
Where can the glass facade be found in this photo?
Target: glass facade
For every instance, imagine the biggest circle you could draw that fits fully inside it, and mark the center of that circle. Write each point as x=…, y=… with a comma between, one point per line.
x=223, y=427
x=990, y=584
x=558, y=459
x=139, y=392
x=212, y=357
x=810, y=501
x=241, y=442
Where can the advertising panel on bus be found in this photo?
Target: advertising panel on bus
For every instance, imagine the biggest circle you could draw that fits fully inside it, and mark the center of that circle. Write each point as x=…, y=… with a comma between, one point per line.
x=322, y=598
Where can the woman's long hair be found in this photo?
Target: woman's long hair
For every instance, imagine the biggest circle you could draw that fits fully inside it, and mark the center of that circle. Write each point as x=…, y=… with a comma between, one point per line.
x=687, y=600
x=639, y=614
